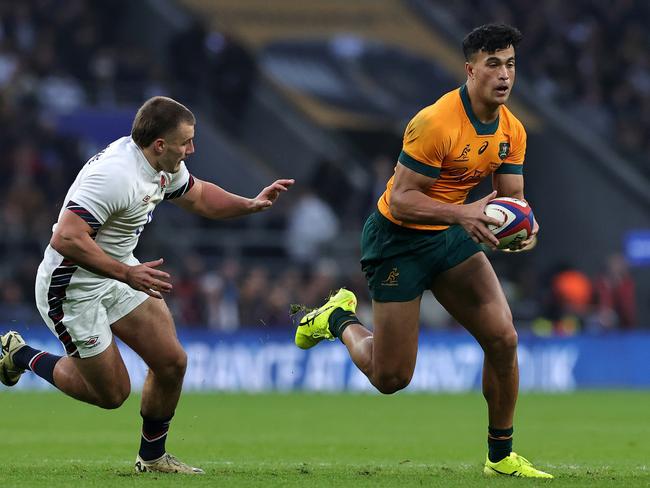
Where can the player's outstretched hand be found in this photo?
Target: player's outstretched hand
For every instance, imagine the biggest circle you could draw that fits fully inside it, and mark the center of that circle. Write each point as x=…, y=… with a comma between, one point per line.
x=145, y=277
x=270, y=194
x=475, y=222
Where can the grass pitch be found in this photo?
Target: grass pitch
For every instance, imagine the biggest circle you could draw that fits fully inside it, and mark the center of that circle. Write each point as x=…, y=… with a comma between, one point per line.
x=588, y=439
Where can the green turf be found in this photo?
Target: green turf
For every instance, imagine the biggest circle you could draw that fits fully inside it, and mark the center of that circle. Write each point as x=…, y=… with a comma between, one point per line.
x=587, y=439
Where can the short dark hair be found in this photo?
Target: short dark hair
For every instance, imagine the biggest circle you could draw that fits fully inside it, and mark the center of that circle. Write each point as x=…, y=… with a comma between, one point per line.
x=157, y=117
x=490, y=38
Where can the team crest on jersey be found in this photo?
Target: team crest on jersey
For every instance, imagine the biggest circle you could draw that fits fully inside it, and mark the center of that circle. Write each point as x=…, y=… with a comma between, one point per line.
x=504, y=149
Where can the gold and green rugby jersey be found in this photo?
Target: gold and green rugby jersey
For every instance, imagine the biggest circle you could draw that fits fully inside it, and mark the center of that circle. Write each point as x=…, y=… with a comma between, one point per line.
x=446, y=141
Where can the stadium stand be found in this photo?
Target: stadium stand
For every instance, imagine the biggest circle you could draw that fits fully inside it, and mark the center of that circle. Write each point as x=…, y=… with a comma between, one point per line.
x=315, y=91
x=568, y=56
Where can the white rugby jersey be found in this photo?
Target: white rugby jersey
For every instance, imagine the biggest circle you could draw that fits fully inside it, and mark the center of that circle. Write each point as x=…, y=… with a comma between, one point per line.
x=116, y=193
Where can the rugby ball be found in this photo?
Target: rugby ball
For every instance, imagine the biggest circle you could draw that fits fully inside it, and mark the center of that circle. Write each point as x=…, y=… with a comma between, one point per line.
x=517, y=218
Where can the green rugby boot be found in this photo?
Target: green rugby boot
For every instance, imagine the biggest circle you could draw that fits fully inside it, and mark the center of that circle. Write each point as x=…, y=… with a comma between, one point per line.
x=9, y=372
x=514, y=465
x=314, y=326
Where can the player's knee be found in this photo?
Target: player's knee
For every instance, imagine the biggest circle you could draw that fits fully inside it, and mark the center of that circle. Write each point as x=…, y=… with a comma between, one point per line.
x=508, y=340
x=174, y=365
x=179, y=363
x=503, y=344
x=392, y=383
x=114, y=398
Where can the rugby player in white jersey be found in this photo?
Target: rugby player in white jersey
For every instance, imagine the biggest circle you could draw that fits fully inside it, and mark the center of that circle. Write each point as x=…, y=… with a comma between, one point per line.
x=90, y=287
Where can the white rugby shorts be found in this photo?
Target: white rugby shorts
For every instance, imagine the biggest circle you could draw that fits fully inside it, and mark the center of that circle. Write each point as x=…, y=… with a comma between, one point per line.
x=79, y=306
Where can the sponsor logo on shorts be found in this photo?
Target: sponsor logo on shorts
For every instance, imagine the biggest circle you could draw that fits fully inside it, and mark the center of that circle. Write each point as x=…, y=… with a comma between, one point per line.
x=391, y=280
x=91, y=341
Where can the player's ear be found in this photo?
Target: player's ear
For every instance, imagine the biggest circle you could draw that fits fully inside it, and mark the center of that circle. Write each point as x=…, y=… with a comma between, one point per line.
x=158, y=145
x=469, y=69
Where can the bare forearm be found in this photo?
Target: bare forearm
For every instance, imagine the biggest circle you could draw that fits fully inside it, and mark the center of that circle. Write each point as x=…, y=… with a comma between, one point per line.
x=415, y=207
x=83, y=251
x=225, y=205
x=213, y=202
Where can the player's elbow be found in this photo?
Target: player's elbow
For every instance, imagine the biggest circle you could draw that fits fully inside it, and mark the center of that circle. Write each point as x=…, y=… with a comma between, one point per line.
x=62, y=242
x=57, y=242
x=397, y=207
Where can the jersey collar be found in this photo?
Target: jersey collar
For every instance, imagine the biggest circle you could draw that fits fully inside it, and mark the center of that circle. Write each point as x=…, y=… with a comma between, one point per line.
x=148, y=169
x=480, y=128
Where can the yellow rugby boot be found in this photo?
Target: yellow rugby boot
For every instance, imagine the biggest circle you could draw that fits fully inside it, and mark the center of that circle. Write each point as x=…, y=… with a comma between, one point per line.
x=9, y=372
x=314, y=326
x=514, y=465
x=165, y=464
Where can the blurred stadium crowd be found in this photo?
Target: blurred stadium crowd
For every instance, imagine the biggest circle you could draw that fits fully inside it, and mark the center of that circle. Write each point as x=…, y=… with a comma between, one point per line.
x=54, y=59
x=591, y=58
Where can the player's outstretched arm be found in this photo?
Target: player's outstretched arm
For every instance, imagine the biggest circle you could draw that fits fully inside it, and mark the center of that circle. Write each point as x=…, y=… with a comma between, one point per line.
x=213, y=202
x=72, y=239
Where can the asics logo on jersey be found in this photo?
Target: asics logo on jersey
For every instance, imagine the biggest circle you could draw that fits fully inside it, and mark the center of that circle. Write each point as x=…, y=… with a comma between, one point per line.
x=483, y=147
